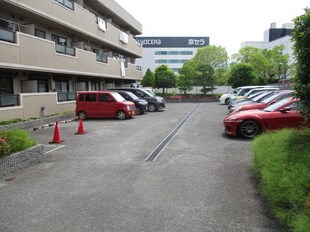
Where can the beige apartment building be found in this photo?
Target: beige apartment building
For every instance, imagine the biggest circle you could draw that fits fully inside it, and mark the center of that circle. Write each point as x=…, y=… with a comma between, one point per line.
x=49, y=49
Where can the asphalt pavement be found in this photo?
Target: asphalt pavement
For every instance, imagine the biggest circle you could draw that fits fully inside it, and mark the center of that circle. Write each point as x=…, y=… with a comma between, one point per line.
x=200, y=180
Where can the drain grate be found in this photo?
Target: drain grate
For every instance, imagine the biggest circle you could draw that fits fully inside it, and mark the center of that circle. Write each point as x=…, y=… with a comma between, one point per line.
x=156, y=152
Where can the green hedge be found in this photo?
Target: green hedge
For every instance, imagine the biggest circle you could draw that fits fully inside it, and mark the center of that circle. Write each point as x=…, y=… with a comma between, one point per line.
x=282, y=163
x=14, y=140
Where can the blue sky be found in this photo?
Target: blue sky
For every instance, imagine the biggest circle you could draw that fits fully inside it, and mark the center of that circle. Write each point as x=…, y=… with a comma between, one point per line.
x=228, y=23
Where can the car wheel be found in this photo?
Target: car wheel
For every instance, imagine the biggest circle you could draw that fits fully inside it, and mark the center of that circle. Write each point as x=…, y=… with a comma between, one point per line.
x=249, y=129
x=82, y=115
x=138, y=110
x=227, y=101
x=121, y=115
x=152, y=107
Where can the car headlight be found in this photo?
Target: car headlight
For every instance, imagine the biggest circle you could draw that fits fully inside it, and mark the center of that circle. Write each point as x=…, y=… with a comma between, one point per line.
x=232, y=119
x=238, y=109
x=128, y=107
x=159, y=99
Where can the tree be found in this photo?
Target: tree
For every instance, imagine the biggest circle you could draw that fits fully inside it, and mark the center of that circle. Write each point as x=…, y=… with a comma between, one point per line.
x=269, y=65
x=185, y=80
x=301, y=38
x=164, y=78
x=241, y=74
x=148, y=79
x=205, y=77
x=276, y=64
x=210, y=61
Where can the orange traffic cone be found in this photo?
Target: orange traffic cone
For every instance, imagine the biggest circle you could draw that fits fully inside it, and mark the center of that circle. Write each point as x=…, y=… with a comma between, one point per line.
x=80, y=128
x=56, y=138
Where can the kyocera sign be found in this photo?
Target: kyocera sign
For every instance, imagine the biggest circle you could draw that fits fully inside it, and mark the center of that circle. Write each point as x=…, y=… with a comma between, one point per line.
x=167, y=42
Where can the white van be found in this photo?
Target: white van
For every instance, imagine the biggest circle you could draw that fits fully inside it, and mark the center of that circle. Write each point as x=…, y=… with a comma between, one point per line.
x=225, y=98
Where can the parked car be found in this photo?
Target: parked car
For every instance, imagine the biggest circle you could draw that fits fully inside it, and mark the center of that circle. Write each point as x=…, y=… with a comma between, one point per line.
x=256, y=99
x=155, y=102
x=252, y=91
x=264, y=103
x=249, y=123
x=225, y=98
x=103, y=104
x=141, y=104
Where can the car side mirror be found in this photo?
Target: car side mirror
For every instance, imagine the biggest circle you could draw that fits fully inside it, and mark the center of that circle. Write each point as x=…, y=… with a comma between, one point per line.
x=285, y=109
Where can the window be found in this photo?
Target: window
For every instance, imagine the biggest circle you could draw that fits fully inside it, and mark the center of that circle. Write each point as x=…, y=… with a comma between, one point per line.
x=161, y=61
x=103, y=97
x=67, y=3
x=186, y=53
x=6, y=85
x=62, y=86
x=81, y=97
x=173, y=53
x=40, y=34
x=161, y=52
x=59, y=40
x=42, y=86
x=90, y=97
x=4, y=23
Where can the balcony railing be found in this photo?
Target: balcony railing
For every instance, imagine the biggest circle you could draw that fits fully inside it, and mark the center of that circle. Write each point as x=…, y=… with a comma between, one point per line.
x=67, y=3
x=70, y=96
x=7, y=100
x=101, y=58
x=65, y=50
x=6, y=35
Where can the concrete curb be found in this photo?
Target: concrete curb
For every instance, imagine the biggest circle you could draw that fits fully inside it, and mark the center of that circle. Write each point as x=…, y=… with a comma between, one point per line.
x=37, y=122
x=21, y=160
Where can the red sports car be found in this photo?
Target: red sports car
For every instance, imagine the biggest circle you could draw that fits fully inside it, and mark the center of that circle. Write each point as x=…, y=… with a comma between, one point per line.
x=249, y=123
x=264, y=103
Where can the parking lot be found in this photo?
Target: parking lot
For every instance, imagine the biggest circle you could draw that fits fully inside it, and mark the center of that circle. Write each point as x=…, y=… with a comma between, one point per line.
x=201, y=180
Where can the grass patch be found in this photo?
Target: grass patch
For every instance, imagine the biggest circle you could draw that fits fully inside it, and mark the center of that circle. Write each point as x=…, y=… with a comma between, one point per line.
x=282, y=163
x=14, y=140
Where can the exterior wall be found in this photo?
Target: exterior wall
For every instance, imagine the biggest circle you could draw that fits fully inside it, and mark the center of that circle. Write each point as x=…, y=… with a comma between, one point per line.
x=31, y=106
x=35, y=60
x=81, y=20
x=27, y=54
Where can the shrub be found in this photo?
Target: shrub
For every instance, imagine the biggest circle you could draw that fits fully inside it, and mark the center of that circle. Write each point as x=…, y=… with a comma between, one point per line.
x=14, y=140
x=5, y=148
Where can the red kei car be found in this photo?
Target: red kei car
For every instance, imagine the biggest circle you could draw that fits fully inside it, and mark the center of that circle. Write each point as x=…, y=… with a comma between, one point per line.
x=249, y=123
x=264, y=103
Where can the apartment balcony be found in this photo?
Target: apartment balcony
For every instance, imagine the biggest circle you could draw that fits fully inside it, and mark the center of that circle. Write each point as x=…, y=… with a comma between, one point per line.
x=36, y=54
x=80, y=21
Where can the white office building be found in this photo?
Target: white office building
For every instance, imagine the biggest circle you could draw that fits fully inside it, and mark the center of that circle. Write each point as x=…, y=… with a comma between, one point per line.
x=275, y=36
x=171, y=51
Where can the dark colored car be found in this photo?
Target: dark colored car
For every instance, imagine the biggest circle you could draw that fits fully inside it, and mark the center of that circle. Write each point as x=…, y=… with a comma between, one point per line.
x=155, y=102
x=141, y=104
x=249, y=123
